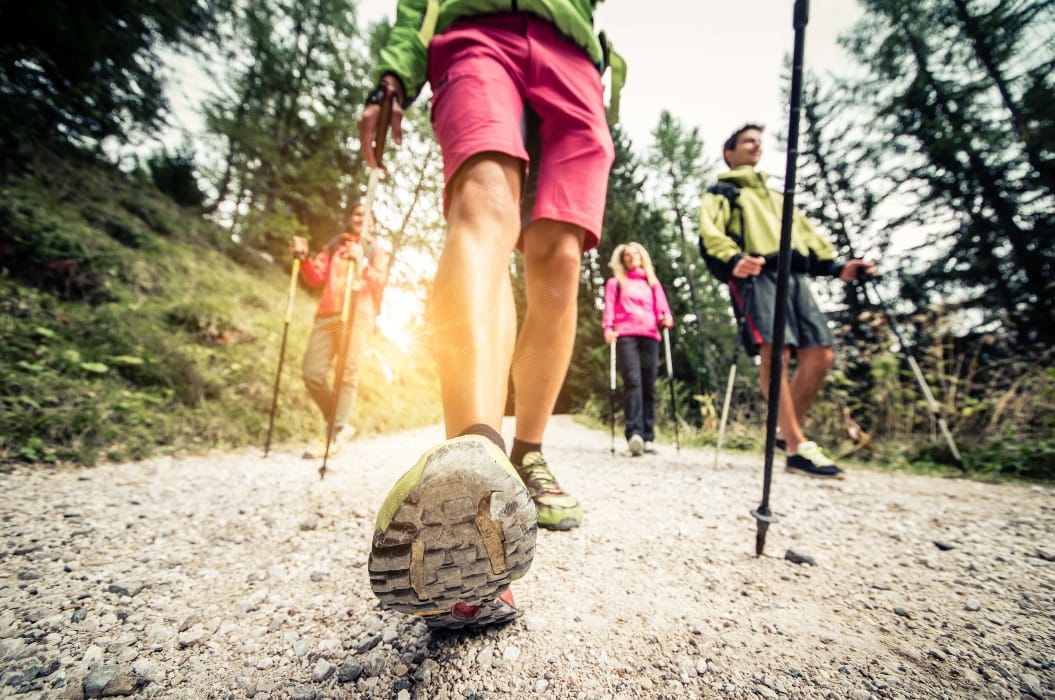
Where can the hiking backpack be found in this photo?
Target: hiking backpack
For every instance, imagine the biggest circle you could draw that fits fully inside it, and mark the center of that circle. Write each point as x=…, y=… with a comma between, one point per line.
x=731, y=193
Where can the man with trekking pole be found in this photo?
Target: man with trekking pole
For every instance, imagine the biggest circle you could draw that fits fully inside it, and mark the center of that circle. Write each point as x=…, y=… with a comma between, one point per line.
x=330, y=269
x=740, y=223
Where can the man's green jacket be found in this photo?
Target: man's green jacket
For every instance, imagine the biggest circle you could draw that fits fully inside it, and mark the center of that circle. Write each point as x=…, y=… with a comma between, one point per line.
x=752, y=227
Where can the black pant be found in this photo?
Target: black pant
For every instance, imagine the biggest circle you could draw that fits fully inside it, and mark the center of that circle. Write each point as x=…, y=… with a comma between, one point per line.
x=636, y=358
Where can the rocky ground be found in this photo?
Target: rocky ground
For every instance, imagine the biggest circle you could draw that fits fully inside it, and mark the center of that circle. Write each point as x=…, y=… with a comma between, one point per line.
x=230, y=575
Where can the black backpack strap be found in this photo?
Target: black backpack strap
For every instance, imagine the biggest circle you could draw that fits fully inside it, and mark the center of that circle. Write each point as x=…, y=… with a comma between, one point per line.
x=731, y=193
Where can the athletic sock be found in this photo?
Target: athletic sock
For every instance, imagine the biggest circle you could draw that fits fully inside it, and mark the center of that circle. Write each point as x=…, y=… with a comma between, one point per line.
x=487, y=432
x=521, y=448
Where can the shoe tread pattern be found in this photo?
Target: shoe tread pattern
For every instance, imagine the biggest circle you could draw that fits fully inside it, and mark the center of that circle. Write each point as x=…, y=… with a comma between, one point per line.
x=434, y=552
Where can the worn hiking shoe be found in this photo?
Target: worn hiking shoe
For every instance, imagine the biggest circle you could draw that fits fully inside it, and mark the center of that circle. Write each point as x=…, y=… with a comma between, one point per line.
x=452, y=534
x=556, y=509
x=498, y=610
x=636, y=445
x=810, y=459
x=650, y=447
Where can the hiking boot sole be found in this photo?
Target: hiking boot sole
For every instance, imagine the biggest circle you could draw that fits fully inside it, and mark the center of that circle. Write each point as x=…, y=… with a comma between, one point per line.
x=499, y=611
x=452, y=534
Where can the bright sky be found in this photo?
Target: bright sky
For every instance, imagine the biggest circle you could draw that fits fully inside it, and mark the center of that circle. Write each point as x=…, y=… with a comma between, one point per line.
x=713, y=65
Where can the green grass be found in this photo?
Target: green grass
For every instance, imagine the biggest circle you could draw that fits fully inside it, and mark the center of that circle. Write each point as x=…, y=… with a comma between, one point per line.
x=131, y=328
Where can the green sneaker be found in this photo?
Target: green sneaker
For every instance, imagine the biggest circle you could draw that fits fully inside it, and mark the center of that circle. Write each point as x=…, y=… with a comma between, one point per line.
x=811, y=460
x=452, y=534
x=556, y=509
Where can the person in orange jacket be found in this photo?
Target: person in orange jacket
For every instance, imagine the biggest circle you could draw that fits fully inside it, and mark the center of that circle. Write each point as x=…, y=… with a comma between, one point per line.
x=329, y=269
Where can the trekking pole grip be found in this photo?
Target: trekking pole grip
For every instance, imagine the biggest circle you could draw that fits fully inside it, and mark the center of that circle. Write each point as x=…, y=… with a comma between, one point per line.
x=802, y=13
x=384, y=120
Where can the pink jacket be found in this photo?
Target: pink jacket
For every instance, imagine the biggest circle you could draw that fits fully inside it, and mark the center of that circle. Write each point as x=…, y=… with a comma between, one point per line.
x=636, y=308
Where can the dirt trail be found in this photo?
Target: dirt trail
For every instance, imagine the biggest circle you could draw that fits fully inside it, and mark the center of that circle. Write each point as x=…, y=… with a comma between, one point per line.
x=229, y=575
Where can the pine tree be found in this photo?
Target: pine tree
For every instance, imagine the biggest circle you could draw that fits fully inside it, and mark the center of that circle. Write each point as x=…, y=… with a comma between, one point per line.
x=953, y=90
x=79, y=72
x=287, y=120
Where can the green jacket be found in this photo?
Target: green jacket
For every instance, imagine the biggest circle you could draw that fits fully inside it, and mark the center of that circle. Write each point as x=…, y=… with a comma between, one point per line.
x=417, y=21
x=752, y=227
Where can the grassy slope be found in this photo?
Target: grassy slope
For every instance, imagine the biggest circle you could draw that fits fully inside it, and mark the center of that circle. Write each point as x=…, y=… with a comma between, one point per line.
x=129, y=328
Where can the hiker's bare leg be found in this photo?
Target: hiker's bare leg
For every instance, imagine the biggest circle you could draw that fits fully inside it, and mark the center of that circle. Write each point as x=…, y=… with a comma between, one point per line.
x=786, y=417
x=812, y=364
x=472, y=305
x=552, y=259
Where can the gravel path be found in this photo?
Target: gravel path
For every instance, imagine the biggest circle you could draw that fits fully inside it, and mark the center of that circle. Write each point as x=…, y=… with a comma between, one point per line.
x=230, y=576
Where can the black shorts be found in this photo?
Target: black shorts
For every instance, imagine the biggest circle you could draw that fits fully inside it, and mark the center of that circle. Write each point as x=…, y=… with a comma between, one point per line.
x=806, y=325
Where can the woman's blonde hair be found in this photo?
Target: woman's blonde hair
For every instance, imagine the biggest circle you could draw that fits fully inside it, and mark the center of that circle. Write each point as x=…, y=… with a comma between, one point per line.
x=620, y=270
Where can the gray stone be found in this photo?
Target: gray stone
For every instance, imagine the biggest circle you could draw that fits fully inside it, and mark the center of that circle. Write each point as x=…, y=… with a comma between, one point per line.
x=350, y=670
x=322, y=671
x=799, y=557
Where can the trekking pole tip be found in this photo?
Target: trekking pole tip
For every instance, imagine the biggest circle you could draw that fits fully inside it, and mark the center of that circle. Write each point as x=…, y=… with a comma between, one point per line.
x=765, y=518
x=760, y=538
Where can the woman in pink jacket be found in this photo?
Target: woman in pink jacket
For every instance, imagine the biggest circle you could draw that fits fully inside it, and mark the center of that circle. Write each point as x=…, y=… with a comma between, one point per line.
x=635, y=307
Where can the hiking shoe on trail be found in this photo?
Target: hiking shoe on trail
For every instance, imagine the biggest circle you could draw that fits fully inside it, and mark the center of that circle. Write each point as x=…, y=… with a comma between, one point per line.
x=810, y=459
x=556, y=509
x=650, y=447
x=636, y=445
x=452, y=534
x=498, y=610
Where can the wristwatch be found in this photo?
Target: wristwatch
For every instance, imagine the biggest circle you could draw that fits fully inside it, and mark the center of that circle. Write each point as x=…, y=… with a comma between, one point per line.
x=377, y=96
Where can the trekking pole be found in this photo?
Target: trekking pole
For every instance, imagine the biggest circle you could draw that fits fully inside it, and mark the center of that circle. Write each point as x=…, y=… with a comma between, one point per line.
x=750, y=285
x=763, y=514
x=670, y=383
x=282, y=351
x=611, y=391
x=932, y=404
x=347, y=317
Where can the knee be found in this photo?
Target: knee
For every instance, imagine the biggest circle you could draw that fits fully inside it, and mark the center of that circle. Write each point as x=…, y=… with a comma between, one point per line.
x=824, y=358
x=313, y=379
x=632, y=381
x=554, y=245
x=553, y=257
x=483, y=190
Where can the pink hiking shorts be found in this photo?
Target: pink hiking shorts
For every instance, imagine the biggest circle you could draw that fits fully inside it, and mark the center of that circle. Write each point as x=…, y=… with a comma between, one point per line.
x=483, y=71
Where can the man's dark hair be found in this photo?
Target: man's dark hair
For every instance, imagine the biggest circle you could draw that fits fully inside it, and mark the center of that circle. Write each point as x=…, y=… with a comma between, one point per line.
x=730, y=143
x=350, y=208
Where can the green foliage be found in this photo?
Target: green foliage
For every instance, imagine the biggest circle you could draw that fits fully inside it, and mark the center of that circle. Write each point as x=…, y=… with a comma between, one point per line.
x=179, y=354
x=285, y=120
x=175, y=175
x=950, y=123
x=83, y=70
